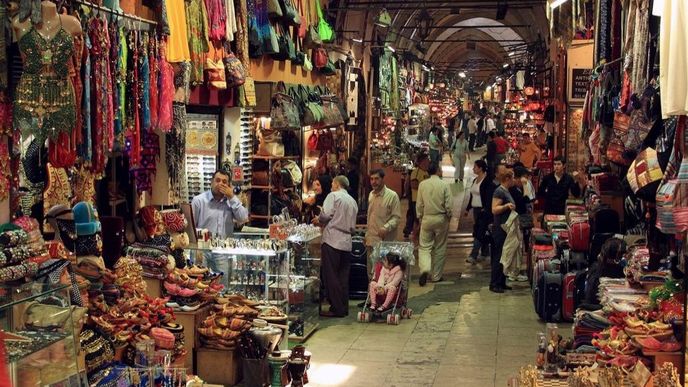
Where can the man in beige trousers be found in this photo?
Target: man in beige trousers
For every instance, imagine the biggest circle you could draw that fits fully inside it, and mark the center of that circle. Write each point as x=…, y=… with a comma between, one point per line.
x=434, y=209
x=384, y=213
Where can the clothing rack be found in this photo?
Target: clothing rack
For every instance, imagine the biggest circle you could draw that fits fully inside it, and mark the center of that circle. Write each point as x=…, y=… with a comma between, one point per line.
x=116, y=13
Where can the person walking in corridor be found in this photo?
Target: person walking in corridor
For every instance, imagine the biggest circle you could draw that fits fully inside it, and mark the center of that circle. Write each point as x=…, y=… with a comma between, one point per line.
x=435, y=143
x=472, y=132
x=338, y=221
x=502, y=206
x=479, y=202
x=434, y=209
x=459, y=155
x=384, y=212
x=419, y=174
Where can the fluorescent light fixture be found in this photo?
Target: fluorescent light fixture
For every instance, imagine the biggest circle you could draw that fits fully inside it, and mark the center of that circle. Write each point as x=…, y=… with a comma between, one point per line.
x=462, y=74
x=512, y=53
x=488, y=88
x=357, y=40
x=556, y=3
x=425, y=68
x=390, y=48
x=505, y=65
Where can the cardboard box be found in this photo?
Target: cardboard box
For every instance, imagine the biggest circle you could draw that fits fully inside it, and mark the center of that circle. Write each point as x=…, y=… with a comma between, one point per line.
x=218, y=367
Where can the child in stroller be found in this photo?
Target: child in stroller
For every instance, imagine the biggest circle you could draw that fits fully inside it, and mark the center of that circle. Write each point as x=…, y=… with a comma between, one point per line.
x=388, y=282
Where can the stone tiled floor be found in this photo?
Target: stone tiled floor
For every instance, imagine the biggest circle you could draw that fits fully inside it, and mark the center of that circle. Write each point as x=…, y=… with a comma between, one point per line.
x=460, y=335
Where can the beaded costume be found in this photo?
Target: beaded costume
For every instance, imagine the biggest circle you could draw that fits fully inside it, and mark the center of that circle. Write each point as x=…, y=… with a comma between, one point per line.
x=45, y=101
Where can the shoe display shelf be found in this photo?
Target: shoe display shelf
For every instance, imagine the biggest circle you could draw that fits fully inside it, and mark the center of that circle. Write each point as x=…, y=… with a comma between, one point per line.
x=38, y=334
x=304, y=288
x=191, y=321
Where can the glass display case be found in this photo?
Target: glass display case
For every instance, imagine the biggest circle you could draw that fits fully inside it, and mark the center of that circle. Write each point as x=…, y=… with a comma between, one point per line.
x=39, y=335
x=304, y=287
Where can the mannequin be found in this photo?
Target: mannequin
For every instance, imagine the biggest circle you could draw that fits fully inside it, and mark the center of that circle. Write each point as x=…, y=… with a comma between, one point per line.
x=52, y=22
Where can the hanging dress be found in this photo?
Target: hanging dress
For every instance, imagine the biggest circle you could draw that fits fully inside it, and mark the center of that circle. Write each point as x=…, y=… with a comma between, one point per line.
x=178, y=43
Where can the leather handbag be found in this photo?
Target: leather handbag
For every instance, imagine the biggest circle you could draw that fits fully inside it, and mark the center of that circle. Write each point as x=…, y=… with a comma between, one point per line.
x=329, y=69
x=215, y=73
x=620, y=126
x=312, y=144
x=47, y=316
x=283, y=112
x=615, y=151
x=291, y=15
x=255, y=40
x=639, y=127
x=235, y=70
x=303, y=26
x=283, y=45
x=333, y=115
x=327, y=34
x=307, y=64
x=312, y=39
x=320, y=58
x=274, y=9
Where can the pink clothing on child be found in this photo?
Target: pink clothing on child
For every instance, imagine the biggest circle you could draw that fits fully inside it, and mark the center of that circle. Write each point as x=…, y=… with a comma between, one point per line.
x=389, y=279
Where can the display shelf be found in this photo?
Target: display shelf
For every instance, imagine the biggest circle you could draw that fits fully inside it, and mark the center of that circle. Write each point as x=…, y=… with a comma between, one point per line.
x=11, y=296
x=306, y=333
x=46, y=339
x=259, y=157
x=295, y=239
x=259, y=216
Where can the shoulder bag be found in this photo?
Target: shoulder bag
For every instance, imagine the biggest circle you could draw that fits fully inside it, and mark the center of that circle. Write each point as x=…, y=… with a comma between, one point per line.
x=283, y=112
x=255, y=40
x=282, y=44
x=235, y=70
x=320, y=57
x=325, y=31
x=291, y=14
x=303, y=26
x=215, y=73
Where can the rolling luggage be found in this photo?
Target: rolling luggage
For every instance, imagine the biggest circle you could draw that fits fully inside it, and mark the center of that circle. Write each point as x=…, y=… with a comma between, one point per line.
x=358, y=274
x=547, y=297
x=579, y=236
x=568, y=303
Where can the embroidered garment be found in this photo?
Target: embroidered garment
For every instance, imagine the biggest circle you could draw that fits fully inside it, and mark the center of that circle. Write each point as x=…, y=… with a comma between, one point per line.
x=166, y=92
x=153, y=58
x=103, y=119
x=197, y=34
x=217, y=19
x=44, y=101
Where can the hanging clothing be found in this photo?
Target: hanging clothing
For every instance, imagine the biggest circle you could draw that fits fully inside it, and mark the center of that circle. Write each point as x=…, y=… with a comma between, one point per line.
x=177, y=44
x=197, y=34
x=673, y=58
x=217, y=20
x=103, y=117
x=231, y=24
x=44, y=104
x=641, y=37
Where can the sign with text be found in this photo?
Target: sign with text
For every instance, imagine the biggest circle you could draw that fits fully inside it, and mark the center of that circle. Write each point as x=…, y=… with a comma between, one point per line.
x=579, y=80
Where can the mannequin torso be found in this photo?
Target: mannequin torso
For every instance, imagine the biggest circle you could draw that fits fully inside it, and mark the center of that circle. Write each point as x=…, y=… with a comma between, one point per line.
x=51, y=25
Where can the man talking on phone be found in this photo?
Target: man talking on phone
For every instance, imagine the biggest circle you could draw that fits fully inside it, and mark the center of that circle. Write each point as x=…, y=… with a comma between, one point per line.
x=217, y=210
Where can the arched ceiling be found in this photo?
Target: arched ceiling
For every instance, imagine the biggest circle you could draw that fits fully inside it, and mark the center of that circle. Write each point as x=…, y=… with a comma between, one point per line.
x=523, y=26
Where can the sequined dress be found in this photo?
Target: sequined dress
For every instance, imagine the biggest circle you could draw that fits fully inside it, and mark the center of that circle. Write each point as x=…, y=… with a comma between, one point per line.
x=45, y=102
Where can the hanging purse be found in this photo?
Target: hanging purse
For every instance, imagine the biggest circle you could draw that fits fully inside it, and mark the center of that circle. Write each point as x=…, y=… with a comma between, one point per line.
x=271, y=44
x=615, y=151
x=299, y=56
x=325, y=31
x=307, y=65
x=235, y=70
x=291, y=14
x=320, y=58
x=312, y=39
x=312, y=144
x=274, y=9
x=639, y=127
x=283, y=113
x=303, y=26
x=255, y=40
x=215, y=73
x=329, y=69
x=333, y=115
x=283, y=45
x=620, y=126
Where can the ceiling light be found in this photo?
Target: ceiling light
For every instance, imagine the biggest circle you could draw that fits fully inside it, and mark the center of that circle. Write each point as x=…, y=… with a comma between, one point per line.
x=512, y=53
x=505, y=65
x=357, y=40
x=390, y=48
x=462, y=74
x=556, y=3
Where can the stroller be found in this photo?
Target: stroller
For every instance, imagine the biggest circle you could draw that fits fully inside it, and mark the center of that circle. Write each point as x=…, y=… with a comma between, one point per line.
x=398, y=309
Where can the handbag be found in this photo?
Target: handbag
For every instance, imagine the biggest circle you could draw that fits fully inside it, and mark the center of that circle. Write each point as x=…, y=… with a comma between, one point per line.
x=290, y=14
x=274, y=9
x=312, y=39
x=52, y=317
x=299, y=56
x=235, y=70
x=255, y=40
x=312, y=143
x=320, y=58
x=644, y=170
x=615, y=151
x=313, y=113
x=303, y=26
x=215, y=73
x=329, y=69
x=307, y=64
x=271, y=44
x=325, y=31
x=620, y=125
x=283, y=112
x=325, y=141
x=333, y=114
x=639, y=127
x=283, y=45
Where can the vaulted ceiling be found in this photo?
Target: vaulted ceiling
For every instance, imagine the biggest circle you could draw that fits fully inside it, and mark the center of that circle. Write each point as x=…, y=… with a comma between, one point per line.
x=466, y=35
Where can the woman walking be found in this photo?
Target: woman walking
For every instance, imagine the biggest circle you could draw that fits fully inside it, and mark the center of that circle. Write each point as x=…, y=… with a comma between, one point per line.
x=502, y=206
x=459, y=155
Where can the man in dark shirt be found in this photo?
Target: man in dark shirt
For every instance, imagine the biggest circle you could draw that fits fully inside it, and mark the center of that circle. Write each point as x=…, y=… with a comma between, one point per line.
x=491, y=156
x=352, y=174
x=555, y=187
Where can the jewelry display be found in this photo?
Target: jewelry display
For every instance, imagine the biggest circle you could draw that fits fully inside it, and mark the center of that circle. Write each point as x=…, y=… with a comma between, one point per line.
x=34, y=341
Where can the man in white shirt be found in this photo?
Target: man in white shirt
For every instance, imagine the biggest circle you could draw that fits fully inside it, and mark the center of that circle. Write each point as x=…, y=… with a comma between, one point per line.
x=472, y=131
x=338, y=220
x=434, y=209
x=490, y=123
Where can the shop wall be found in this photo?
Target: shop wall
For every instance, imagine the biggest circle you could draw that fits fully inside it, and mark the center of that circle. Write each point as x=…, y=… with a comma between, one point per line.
x=579, y=61
x=268, y=70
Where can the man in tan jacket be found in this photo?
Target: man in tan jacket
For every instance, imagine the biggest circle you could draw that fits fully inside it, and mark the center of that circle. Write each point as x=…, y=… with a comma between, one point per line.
x=434, y=209
x=384, y=212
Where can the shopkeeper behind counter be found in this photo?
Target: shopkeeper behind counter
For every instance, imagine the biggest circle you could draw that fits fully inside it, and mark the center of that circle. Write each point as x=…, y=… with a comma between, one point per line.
x=217, y=210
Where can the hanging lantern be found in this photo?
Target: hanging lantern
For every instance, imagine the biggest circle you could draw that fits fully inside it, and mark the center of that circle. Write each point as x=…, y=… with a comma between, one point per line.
x=424, y=24
x=529, y=91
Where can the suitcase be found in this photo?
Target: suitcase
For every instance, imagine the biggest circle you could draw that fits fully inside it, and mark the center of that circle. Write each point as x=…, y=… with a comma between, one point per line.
x=548, y=297
x=579, y=236
x=568, y=302
x=358, y=274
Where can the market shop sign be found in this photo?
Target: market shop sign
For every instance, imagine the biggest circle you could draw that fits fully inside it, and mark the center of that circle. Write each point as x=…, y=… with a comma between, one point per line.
x=580, y=80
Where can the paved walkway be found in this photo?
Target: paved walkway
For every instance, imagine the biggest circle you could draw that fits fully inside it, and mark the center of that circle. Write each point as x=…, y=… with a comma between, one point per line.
x=461, y=334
